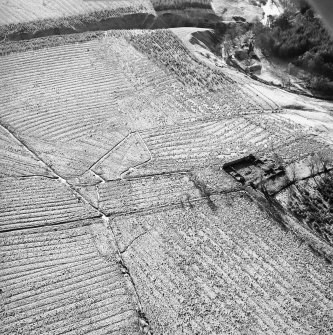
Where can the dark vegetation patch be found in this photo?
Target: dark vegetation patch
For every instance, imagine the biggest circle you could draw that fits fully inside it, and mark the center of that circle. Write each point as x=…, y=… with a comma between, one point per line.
x=208, y=38
x=230, y=31
x=185, y=18
x=9, y=47
x=313, y=204
x=239, y=19
x=298, y=36
x=270, y=206
x=20, y=43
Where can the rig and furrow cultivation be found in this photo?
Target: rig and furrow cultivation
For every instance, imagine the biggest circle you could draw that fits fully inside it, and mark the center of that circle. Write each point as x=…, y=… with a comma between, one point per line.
x=230, y=271
x=16, y=161
x=105, y=83
x=56, y=280
x=118, y=215
x=75, y=95
x=167, y=50
x=129, y=153
x=199, y=143
x=38, y=201
x=73, y=158
x=146, y=193
x=79, y=87
x=82, y=92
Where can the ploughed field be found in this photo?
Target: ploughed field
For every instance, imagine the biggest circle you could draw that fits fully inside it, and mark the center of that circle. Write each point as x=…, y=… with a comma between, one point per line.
x=64, y=279
x=116, y=216
x=228, y=270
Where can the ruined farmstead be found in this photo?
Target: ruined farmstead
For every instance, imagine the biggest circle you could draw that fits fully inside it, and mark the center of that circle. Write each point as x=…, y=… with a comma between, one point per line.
x=254, y=171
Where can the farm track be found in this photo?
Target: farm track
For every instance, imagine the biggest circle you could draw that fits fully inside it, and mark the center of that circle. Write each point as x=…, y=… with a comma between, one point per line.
x=38, y=201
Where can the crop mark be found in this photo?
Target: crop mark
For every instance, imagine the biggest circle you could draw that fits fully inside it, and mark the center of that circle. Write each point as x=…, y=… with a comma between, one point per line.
x=107, y=153
x=81, y=197
x=131, y=152
x=131, y=242
x=99, y=177
x=139, y=164
x=204, y=192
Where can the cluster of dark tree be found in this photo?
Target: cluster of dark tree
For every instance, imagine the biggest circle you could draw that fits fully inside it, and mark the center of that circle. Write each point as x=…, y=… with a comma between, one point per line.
x=229, y=31
x=315, y=208
x=300, y=37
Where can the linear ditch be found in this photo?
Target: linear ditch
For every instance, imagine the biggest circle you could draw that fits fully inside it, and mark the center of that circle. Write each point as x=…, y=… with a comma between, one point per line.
x=47, y=225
